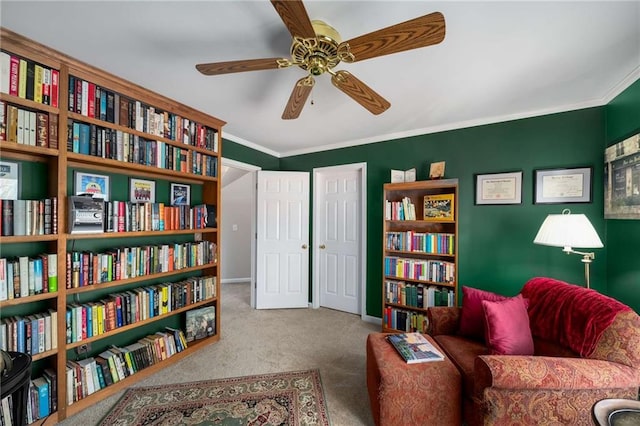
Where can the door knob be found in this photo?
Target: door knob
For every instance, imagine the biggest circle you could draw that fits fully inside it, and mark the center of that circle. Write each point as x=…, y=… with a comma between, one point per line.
x=304, y=247
x=322, y=247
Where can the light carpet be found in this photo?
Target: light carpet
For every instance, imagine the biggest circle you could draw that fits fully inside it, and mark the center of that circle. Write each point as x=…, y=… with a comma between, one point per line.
x=280, y=399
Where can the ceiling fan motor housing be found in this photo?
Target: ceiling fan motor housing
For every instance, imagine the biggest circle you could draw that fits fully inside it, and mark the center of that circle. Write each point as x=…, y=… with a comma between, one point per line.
x=317, y=55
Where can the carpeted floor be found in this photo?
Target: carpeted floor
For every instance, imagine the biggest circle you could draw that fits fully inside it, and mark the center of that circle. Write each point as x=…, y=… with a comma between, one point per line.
x=278, y=399
x=272, y=341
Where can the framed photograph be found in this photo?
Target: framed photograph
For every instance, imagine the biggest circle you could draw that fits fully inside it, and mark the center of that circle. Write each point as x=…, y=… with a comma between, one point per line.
x=9, y=180
x=142, y=191
x=201, y=323
x=180, y=194
x=439, y=208
x=553, y=186
x=622, y=179
x=91, y=183
x=436, y=170
x=499, y=188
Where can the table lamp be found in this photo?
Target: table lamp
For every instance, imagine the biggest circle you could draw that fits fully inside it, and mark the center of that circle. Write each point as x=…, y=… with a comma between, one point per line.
x=568, y=230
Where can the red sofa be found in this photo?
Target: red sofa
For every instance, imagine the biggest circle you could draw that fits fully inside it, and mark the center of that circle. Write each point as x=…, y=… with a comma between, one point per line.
x=586, y=348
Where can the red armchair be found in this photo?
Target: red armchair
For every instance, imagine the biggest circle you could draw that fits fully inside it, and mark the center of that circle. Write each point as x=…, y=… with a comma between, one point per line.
x=587, y=348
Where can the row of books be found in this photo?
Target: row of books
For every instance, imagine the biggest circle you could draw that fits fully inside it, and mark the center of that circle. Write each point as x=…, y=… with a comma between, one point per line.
x=28, y=127
x=402, y=320
x=93, y=101
x=32, y=334
x=90, y=268
x=30, y=80
x=89, y=139
x=119, y=309
x=422, y=242
x=89, y=375
x=399, y=210
x=29, y=217
x=204, y=165
x=126, y=216
x=417, y=295
x=43, y=396
x=25, y=276
x=418, y=269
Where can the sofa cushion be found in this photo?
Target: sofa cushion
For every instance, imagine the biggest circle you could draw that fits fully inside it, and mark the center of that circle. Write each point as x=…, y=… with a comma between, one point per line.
x=507, y=329
x=568, y=314
x=462, y=353
x=472, y=317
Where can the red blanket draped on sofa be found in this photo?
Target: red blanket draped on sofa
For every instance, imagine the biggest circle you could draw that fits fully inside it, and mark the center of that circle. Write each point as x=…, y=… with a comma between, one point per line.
x=581, y=320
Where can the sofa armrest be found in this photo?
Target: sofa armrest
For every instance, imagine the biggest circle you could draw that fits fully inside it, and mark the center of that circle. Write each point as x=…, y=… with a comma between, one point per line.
x=527, y=390
x=443, y=320
x=540, y=372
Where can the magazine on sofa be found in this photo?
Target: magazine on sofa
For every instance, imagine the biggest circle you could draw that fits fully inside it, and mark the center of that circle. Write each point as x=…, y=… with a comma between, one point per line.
x=415, y=348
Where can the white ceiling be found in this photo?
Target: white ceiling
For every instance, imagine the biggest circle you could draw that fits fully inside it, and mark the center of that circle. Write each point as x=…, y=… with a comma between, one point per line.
x=498, y=61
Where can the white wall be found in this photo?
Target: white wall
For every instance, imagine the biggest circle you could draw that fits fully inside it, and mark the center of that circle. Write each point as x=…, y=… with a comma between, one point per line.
x=236, y=244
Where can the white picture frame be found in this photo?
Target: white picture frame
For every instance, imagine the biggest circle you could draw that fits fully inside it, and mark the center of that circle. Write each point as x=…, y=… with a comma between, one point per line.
x=9, y=180
x=180, y=194
x=142, y=191
x=91, y=183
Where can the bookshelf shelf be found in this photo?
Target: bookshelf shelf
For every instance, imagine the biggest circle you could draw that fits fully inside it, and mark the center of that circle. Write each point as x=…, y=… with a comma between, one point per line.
x=54, y=161
x=140, y=323
x=28, y=299
x=421, y=248
x=15, y=100
x=140, y=234
x=28, y=238
x=118, y=283
x=106, y=164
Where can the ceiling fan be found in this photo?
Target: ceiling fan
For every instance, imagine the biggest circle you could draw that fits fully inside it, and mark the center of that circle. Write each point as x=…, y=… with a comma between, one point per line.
x=317, y=48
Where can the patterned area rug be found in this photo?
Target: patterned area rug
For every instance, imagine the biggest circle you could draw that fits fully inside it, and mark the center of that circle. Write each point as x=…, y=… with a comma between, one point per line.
x=287, y=399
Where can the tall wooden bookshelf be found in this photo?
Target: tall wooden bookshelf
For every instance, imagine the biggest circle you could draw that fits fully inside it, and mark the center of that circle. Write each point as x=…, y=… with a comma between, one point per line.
x=420, y=252
x=200, y=155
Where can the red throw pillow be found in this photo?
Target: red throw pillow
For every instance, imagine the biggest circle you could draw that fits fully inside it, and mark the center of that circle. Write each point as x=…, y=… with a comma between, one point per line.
x=507, y=326
x=472, y=316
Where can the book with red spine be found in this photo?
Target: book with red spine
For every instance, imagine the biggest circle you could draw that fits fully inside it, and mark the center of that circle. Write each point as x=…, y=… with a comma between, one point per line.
x=14, y=66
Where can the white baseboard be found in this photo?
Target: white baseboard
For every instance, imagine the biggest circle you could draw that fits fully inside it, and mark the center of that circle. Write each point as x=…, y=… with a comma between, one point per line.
x=235, y=280
x=372, y=320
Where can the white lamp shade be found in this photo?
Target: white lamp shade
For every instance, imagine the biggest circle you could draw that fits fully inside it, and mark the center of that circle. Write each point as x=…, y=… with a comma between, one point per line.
x=568, y=230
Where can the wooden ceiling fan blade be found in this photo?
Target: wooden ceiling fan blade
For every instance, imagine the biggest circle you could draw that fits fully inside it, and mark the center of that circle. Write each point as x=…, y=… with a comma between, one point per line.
x=295, y=17
x=415, y=33
x=298, y=97
x=360, y=92
x=228, y=67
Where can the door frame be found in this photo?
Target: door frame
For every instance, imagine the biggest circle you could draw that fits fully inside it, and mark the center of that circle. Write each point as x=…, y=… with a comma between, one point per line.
x=362, y=169
x=254, y=194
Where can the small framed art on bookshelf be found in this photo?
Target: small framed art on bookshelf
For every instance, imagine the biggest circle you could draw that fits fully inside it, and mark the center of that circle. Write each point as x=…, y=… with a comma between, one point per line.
x=439, y=207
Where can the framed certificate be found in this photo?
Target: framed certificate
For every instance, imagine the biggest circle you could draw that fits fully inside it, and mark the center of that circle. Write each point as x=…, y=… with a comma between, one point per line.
x=499, y=188
x=562, y=186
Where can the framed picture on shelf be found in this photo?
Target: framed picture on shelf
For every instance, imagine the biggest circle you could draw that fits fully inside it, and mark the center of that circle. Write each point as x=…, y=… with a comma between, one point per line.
x=499, y=188
x=439, y=207
x=436, y=170
x=91, y=183
x=562, y=186
x=9, y=180
x=180, y=194
x=142, y=191
x=201, y=323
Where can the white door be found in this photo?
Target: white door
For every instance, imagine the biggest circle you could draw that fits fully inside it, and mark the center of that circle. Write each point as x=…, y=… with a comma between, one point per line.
x=282, y=270
x=338, y=217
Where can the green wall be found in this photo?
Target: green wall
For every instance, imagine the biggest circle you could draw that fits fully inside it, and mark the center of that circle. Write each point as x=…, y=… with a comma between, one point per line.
x=496, y=250
x=238, y=152
x=623, y=236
